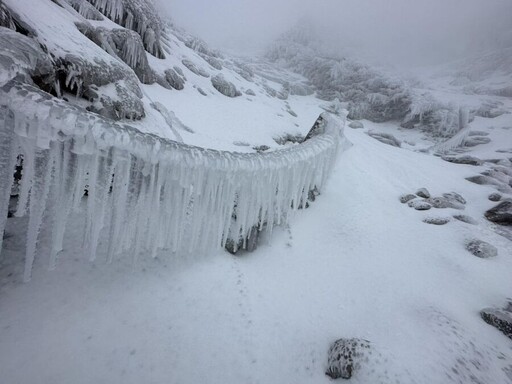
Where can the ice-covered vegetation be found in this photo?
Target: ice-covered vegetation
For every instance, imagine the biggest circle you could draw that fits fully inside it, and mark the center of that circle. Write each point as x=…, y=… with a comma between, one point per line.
x=147, y=193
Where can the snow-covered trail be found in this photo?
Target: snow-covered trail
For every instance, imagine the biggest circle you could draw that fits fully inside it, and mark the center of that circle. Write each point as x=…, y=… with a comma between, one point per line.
x=357, y=263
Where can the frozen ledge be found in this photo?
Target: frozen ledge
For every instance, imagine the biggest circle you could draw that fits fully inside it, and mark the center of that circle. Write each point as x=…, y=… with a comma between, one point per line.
x=145, y=194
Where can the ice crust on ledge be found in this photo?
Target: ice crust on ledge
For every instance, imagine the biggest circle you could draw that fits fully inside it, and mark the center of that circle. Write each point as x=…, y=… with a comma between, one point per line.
x=146, y=193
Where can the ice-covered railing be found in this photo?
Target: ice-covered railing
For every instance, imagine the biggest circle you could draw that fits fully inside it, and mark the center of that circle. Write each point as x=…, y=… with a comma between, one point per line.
x=143, y=193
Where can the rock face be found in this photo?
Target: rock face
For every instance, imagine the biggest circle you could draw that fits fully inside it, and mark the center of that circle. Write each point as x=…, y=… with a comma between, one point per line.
x=345, y=357
x=385, y=138
x=225, y=87
x=481, y=249
x=501, y=214
x=423, y=192
x=499, y=318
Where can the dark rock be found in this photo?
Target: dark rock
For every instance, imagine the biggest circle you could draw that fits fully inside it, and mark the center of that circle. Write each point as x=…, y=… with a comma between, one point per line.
x=482, y=249
x=495, y=197
x=356, y=125
x=445, y=202
x=436, y=220
x=501, y=214
x=476, y=140
x=225, y=87
x=465, y=219
x=406, y=198
x=317, y=129
x=419, y=205
x=499, y=318
x=468, y=160
x=249, y=244
x=423, y=192
x=200, y=90
x=345, y=357
x=385, y=138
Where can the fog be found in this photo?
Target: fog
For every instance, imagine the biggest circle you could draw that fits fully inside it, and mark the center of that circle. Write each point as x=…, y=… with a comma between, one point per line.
x=407, y=32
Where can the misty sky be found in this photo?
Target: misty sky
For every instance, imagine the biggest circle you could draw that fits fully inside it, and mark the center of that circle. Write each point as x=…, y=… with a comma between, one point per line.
x=401, y=31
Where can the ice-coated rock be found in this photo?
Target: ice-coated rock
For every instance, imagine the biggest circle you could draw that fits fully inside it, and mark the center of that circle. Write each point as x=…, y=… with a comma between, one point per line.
x=494, y=197
x=385, y=138
x=356, y=125
x=346, y=356
x=423, y=192
x=213, y=61
x=194, y=68
x=123, y=44
x=6, y=18
x=140, y=16
x=175, y=80
x=225, y=87
x=476, y=140
x=454, y=196
x=250, y=92
x=22, y=56
x=86, y=9
x=501, y=213
x=481, y=249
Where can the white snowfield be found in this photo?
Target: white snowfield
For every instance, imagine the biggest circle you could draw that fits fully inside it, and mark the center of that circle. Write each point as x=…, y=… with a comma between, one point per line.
x=149, y=193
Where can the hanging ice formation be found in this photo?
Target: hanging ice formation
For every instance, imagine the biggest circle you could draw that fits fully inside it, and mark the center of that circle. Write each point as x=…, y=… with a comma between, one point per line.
x=144, y=194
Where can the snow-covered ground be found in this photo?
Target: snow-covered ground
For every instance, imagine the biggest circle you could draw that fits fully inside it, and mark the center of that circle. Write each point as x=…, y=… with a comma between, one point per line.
x=357, y=263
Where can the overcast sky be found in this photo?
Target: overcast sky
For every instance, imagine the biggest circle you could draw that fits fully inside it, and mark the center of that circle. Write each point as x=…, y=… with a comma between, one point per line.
x=410, y=31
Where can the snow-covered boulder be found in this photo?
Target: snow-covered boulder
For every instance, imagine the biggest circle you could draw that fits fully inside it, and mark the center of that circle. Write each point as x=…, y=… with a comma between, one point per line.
x=225, y=87
x=386, y=138
x=194, y=68
x=481, y=249
x=174, y=79
x=346, y=356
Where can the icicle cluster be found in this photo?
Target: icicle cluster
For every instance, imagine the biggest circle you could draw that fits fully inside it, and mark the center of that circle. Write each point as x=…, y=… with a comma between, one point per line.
x=139, y=16
x=144, y=193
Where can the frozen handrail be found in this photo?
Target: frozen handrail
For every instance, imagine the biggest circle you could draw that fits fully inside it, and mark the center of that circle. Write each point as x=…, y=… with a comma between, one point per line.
x=147, y=193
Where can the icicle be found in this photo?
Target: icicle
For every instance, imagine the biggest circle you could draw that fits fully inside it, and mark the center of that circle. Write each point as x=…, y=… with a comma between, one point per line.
x=38, y=199
x=7, y=161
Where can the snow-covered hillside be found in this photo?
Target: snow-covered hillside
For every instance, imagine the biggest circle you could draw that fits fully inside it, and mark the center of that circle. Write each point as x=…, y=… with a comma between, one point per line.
x=181, y=215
